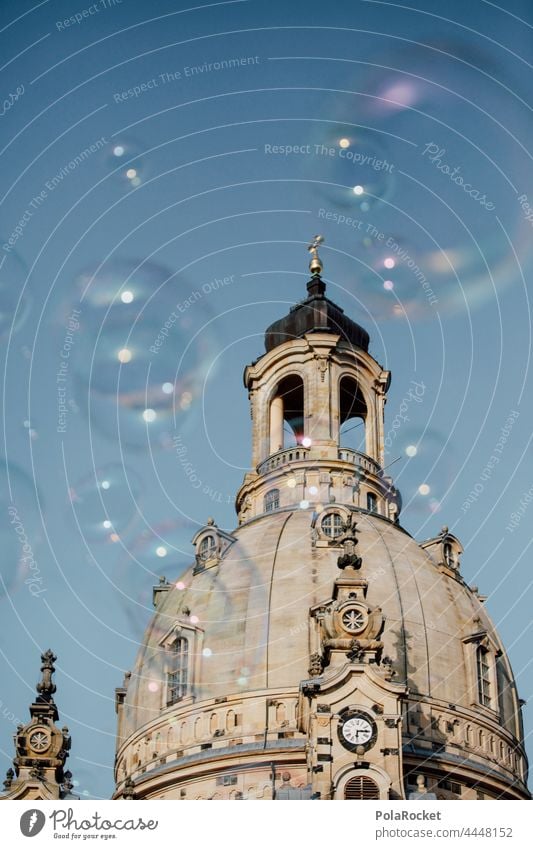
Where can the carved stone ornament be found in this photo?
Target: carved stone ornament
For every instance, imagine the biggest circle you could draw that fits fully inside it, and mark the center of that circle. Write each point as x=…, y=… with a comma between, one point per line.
x=46, y=688
x=348, y=539
x=322, y=363
x=315, y=665
x=356, y=651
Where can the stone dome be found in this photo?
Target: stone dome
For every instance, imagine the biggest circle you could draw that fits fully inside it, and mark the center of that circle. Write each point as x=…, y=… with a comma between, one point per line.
x=251, y=612
x=318, y=651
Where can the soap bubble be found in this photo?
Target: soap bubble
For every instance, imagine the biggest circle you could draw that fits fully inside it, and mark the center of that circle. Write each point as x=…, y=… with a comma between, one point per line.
x=141, y=361
x=105, y=502
x=126, y=160
x=360, y=169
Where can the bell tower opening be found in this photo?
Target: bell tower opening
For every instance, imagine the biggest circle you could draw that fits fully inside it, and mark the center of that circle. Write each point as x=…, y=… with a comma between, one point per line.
x=287, y=414
x=352, y=415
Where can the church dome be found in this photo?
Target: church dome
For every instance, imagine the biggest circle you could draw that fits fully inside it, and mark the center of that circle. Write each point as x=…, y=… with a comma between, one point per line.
x=318, y=651
x=249, y=616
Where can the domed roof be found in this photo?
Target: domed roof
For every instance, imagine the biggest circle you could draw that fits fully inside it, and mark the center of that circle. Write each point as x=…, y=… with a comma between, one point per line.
x=316, y=313
x=252, y=615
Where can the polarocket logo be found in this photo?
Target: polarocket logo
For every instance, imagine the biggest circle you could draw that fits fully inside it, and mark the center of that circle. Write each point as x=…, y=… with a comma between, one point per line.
x=32, y=822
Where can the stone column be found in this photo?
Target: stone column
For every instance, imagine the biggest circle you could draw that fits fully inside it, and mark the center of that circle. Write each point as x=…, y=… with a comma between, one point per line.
x=276, y=425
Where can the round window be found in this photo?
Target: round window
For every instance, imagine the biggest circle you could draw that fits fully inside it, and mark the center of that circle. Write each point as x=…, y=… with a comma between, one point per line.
x=353, y=620
x=332, y=525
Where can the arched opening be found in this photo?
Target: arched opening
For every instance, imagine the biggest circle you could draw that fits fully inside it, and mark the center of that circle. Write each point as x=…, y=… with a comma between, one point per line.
x=208, y=547
x=352, y=415
x=361, y=787
x=178, y=670
x=287, y=414
x=483, y=676
x=271, y=500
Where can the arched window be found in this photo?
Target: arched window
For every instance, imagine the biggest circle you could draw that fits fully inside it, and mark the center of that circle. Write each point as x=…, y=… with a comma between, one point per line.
x=483, y=676
x=178, y=674
x=353, y=414
x=271, y=500
x=208, y=547
x=361, y=787
x=371, y=502
x=449, y=559
x=287, y=414
x=332, y=525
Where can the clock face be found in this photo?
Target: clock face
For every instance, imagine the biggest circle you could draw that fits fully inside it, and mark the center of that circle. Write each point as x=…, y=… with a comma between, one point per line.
x=357, y=730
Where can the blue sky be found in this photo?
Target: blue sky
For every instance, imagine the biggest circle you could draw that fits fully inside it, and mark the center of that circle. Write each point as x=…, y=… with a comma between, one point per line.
x=164, y=170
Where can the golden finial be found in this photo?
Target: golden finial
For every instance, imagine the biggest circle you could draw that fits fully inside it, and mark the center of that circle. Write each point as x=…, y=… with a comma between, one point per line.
x=315, y=264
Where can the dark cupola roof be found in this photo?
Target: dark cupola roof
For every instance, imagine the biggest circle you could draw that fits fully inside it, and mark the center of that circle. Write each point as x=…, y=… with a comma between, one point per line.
x=316, y=314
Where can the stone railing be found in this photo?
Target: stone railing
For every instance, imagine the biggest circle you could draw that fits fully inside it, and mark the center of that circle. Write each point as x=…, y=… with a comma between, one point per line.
x=281, y=458
x=298, y=454
x=363, y=461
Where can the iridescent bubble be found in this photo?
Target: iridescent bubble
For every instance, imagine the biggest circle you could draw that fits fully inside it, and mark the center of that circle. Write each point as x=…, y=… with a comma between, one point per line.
x=126, y=160
x=400, y=274
x=433, y=466
x=139, y=567
x=140, y=362
x=469, y=84
x=14, y=306
x=106, y=499
x=359, y=169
